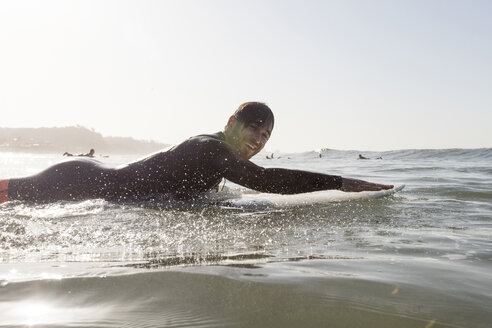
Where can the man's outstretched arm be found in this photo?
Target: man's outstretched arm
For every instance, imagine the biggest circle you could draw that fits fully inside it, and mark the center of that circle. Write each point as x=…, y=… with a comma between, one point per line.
x=286, y=181
x=283, y=181
x=361, y=185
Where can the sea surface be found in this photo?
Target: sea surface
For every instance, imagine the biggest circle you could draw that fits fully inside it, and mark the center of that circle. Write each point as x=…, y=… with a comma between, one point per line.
x=421, y=257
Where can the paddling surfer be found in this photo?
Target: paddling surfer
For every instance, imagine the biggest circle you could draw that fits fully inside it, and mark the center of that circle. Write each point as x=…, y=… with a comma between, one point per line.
x=89, y=154
x=197, y=165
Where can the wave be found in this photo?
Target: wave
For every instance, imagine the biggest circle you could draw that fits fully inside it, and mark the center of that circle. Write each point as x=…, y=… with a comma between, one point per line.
x=244, y=297
x=450, y=153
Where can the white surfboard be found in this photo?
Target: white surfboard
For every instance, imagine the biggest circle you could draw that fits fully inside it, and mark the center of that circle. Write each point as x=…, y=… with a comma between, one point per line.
x=311, y=198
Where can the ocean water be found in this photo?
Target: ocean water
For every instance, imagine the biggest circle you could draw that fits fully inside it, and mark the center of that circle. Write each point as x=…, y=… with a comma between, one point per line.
x=421, y=257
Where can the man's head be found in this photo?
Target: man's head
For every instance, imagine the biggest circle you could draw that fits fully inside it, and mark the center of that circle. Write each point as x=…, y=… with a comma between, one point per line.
x=249, y=128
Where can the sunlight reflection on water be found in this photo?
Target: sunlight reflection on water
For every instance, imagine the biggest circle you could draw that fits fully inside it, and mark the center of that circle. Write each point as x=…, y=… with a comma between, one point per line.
x=42, y=312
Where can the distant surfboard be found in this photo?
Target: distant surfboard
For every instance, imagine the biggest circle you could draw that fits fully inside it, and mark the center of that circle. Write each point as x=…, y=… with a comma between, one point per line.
x=311, y=198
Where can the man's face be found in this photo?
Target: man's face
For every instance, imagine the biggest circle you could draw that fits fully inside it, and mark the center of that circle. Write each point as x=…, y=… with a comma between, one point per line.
x=250, y=139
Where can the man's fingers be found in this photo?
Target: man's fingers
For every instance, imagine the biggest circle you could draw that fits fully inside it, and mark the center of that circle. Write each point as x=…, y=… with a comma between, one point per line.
x=377, y=187
x=355, y=185
x=387, y=186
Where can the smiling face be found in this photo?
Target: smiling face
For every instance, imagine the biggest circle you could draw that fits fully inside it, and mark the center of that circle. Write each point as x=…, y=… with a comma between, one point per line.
x=247, y=139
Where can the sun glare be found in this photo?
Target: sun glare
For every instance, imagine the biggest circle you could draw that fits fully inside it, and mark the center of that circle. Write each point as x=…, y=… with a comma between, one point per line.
x=40, y=312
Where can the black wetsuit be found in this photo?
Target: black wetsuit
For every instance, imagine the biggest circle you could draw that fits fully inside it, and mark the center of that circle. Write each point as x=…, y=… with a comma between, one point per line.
x=196, y=165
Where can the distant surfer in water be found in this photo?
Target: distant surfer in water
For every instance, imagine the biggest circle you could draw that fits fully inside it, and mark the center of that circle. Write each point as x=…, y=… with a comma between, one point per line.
x=196, y=165
x=363, y=157
x=89, y=154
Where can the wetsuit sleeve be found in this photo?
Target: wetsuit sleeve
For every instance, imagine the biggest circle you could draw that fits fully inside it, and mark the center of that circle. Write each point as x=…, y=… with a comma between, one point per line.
x=277, y=180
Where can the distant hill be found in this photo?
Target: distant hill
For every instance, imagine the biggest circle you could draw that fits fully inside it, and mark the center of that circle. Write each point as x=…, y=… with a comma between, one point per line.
x=75, y=139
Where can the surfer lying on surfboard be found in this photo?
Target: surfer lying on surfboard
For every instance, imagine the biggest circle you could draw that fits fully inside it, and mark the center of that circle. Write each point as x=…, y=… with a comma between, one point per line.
x=196, y=165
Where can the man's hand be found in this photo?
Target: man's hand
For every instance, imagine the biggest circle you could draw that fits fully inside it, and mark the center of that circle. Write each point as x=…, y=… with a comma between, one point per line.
x=361, y=185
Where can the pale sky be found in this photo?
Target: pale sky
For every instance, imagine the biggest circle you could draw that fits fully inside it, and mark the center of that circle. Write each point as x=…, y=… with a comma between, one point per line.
x=366, y=75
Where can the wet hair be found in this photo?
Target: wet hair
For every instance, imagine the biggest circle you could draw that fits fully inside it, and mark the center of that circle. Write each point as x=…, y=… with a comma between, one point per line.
x=254, y=112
